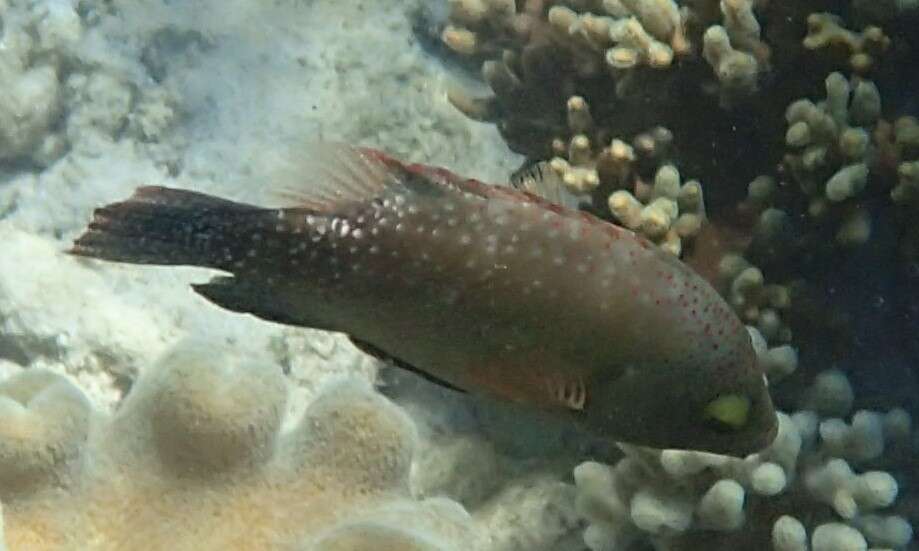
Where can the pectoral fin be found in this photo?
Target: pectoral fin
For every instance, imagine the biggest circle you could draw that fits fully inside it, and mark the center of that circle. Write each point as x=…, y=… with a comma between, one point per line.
x=538, y=384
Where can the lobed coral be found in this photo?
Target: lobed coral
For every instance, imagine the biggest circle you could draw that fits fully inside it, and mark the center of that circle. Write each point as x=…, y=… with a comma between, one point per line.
x=196, y=458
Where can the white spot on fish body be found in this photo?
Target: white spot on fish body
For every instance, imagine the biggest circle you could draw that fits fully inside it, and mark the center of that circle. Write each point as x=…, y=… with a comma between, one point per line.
x=374, y=249
x=357, y=233
x=558, y=260
x=581, y=268
x=465, y=239
x=574, y=230
x=452, y=222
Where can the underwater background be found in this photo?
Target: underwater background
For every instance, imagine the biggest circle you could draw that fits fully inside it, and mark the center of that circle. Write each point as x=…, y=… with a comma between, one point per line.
x=136, y=415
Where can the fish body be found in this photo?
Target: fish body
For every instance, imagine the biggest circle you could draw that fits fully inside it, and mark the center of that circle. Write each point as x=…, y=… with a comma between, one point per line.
x=483, y=288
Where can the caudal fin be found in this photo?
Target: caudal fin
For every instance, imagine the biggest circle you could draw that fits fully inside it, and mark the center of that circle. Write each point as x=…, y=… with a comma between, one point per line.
x=166, y=226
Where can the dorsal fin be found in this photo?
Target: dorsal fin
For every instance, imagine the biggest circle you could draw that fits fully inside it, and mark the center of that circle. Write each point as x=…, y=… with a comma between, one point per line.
x=326, y=175
x=540, y=180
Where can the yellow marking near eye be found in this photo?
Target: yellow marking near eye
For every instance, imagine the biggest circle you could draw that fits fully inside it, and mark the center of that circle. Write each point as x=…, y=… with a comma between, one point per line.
x=730, y=409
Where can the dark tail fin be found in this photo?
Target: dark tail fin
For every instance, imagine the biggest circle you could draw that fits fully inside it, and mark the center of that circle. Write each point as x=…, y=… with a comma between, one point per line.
x=166, y=226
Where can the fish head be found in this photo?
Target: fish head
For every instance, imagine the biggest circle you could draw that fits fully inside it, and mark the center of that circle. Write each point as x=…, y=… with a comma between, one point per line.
x=723, y=409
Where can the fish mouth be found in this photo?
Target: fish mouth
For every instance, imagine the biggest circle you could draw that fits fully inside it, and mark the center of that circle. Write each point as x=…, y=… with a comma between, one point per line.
x=741, y=446
x=762, y=442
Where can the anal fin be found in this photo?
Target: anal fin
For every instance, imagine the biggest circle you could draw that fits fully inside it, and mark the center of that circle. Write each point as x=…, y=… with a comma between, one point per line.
x=252, y=297
x=374, y=351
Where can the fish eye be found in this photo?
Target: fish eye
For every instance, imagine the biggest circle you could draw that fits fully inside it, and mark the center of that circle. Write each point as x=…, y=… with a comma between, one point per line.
x=728, y=412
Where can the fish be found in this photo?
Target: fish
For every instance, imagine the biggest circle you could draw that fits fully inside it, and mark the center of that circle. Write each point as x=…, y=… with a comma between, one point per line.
x=504, y=290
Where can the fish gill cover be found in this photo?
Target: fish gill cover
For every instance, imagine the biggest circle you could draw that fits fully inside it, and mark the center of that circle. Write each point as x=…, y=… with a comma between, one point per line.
x=770, y=145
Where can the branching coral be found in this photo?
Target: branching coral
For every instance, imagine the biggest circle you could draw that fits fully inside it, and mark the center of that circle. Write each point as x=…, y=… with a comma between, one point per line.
x=900, y=148
x=825, y=31
x=755, y=301
x=637, y=63
x=580, y=83
x=816, y=479
x=667, y=212
x=46, y=106
x=832, y=147
x=195, y=458
x=30, y=90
